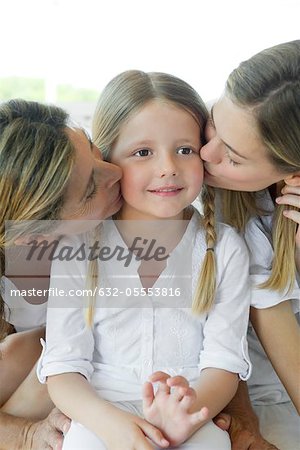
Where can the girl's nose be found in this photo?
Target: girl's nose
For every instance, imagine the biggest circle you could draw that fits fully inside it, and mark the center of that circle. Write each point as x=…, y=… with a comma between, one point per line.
x=167, y=167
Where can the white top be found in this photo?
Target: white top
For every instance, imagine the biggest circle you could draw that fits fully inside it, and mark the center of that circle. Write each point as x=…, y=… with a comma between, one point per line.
x=18, y=312
x=135, y=336
x=258, y=237
x=264, y=385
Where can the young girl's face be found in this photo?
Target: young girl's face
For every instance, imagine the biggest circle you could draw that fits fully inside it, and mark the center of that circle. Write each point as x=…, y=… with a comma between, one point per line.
x=158, y=151
x=235, y=158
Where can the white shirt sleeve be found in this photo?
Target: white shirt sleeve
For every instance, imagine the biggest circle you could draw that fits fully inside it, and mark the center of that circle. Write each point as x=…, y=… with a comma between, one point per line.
x=69, y=343
x=225, y=343
x=259, y=241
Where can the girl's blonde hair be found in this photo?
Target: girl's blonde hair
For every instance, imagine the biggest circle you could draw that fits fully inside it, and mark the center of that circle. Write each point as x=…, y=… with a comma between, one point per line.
x=268, y=85
x=36, y=160
x=124, y=96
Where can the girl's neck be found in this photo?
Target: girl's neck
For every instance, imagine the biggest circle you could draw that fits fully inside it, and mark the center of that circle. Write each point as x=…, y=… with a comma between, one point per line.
x=165, y=233
x=131, y=214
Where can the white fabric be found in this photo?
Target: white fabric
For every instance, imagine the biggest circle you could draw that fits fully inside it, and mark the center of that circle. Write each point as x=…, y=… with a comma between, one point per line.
x=139, y=335
x=279, y=420
x=264, y=385
x=209, y=437
x=18, y=312
x=280, y=425
x=265, y=388
x=258, y=237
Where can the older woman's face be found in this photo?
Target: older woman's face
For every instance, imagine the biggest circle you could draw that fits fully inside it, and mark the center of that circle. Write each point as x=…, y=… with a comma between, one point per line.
x=234, y=157
x=93, y=192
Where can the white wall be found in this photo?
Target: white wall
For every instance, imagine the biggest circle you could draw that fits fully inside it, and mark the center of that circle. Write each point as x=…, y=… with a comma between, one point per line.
x=87, y=42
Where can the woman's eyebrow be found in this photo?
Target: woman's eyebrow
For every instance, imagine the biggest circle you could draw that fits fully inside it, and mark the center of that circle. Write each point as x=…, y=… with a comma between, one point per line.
x=227, y=145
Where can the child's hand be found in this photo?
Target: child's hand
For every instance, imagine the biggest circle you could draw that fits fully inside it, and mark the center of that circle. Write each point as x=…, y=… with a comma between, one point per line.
x=169, y=410
x=131, y=432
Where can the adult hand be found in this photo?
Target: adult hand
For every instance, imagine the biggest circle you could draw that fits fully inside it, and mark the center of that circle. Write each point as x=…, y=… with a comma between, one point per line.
x=244, y=432
x=291, y=196
x=47, y=433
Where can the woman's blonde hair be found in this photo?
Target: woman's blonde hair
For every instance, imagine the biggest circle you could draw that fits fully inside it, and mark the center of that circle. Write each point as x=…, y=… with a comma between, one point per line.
x=36, y=160
x=124, y=96
x=268, y=85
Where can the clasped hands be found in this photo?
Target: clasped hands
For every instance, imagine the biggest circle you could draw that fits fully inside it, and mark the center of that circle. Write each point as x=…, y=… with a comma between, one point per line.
x=172, y=407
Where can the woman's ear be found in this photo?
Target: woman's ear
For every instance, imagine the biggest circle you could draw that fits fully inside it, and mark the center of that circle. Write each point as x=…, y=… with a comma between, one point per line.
x=293, y=179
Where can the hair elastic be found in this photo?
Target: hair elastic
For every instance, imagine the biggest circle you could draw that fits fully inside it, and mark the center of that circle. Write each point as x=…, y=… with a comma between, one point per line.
x=210, y=248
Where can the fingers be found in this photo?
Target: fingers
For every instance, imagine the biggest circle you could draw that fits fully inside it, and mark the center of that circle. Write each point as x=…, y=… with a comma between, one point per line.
x=293, y=215
x=223, y=421
x=178, y=381
x=180, y=393
x=290, y=189
x=245, y=440
x=154, y=434
x=199, y=416
x=289, y=199
x=148, y=395
x=180, y=387
x=58, y=420
x=161, y=378
x=241, y=445
x=188, y=396
x=44, y=437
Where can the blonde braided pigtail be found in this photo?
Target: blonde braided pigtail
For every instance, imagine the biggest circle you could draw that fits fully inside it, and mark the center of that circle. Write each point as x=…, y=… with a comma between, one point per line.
x=283, y=268
x=92, y=279
x=206, y=285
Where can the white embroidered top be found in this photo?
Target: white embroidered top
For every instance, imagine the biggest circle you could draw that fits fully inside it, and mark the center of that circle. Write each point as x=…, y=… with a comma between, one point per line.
x=133, y=336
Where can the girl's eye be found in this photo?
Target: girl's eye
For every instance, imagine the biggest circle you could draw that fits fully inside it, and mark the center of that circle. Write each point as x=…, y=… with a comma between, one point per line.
x=185, y=151
x=142, y=152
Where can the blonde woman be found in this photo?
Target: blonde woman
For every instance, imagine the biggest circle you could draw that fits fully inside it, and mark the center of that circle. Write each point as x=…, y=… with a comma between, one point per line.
x=253, y=154
x=101, y=373
x=49, y=170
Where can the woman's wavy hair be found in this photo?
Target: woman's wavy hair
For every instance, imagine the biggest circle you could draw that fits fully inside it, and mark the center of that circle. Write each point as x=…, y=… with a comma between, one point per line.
x=36, y=160
x=268, y=85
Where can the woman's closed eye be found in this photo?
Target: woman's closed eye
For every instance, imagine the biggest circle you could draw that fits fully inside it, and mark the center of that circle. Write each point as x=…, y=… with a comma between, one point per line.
x=93, y=191
x=231, y=161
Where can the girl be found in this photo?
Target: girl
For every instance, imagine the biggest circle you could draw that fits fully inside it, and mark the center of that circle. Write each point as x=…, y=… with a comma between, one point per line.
x=253, y=153
x=45, y=174
x=140, y=322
